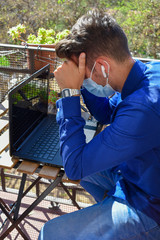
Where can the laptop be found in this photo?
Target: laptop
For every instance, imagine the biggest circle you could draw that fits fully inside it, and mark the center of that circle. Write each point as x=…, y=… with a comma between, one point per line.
x=33, y=132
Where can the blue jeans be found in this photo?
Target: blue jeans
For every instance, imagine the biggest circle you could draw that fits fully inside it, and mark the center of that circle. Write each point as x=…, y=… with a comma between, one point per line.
x=109, y=219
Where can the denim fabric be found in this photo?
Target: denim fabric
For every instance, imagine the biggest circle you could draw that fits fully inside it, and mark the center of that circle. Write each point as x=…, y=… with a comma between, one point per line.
x=110, y=219
x=99, y=183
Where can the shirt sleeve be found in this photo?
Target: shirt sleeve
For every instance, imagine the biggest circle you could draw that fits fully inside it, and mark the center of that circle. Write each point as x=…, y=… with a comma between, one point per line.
x=100, y=107
x=129, y=136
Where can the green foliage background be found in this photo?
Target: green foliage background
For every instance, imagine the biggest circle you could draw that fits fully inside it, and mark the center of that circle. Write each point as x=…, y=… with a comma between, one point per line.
x=140, y=19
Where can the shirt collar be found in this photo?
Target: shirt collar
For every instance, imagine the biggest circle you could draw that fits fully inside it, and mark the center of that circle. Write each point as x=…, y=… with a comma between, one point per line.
x=134, y=79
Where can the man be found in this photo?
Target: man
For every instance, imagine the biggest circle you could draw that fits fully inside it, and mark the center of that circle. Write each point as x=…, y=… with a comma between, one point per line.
x=123, y=161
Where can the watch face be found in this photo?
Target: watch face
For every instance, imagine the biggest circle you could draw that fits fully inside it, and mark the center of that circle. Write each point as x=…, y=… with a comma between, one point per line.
x=66, y=93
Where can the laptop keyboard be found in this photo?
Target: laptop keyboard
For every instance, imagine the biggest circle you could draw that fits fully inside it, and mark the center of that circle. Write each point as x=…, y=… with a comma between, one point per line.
x=46, y=145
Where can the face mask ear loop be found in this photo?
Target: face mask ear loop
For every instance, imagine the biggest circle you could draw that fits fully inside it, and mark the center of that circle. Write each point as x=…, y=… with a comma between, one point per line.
x=107, y=79
x=108, y=71
x=92, y=70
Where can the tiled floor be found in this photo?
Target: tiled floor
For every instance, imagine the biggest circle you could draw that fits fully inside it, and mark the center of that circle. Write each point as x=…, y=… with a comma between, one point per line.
x=33, y=223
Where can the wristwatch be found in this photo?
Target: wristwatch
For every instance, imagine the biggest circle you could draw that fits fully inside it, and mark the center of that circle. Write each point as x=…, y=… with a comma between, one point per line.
x=68, y=92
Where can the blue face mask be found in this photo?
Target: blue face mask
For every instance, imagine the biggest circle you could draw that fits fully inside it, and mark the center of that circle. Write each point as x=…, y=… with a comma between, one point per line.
x=96, y=89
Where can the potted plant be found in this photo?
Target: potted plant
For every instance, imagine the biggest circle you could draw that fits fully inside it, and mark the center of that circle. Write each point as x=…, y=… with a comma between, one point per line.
x=45, y=38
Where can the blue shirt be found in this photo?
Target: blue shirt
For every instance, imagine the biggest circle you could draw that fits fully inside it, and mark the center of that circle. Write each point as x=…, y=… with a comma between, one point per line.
x=131, y=143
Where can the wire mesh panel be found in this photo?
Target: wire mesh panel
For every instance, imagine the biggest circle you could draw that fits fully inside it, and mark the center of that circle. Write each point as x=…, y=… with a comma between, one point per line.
x=28, y=58
x=16, y=62
x=13, y=58
x=7, y=81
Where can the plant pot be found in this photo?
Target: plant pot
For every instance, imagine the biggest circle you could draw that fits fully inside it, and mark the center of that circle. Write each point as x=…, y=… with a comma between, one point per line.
x=41, y=57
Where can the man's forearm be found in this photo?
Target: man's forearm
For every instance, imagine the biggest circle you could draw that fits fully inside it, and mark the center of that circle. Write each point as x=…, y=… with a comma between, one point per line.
x=98, y=107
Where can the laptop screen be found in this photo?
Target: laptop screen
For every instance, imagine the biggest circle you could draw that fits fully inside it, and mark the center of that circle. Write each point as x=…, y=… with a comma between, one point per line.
x=28, y=106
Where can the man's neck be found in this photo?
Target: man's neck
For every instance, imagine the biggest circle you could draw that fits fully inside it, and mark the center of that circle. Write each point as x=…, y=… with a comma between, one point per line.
x=120, y=73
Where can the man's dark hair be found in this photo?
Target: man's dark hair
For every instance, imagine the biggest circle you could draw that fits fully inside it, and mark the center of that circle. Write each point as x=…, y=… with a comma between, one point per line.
x=95, y=33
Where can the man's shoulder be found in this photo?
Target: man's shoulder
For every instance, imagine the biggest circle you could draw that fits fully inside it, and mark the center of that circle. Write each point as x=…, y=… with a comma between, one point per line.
x=145, y=97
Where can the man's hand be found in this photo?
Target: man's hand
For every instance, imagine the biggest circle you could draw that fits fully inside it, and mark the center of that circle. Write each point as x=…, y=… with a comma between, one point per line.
x=69, y=75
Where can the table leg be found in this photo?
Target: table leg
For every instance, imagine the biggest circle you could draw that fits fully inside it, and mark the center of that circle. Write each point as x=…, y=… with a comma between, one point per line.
x=20, y=195
x=11, y=220
x=70, y=196
x=3, y=180
x=16, y=205
x=34, y=204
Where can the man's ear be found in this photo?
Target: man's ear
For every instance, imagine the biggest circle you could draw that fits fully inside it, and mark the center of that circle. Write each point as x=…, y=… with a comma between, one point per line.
x=105, y=62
